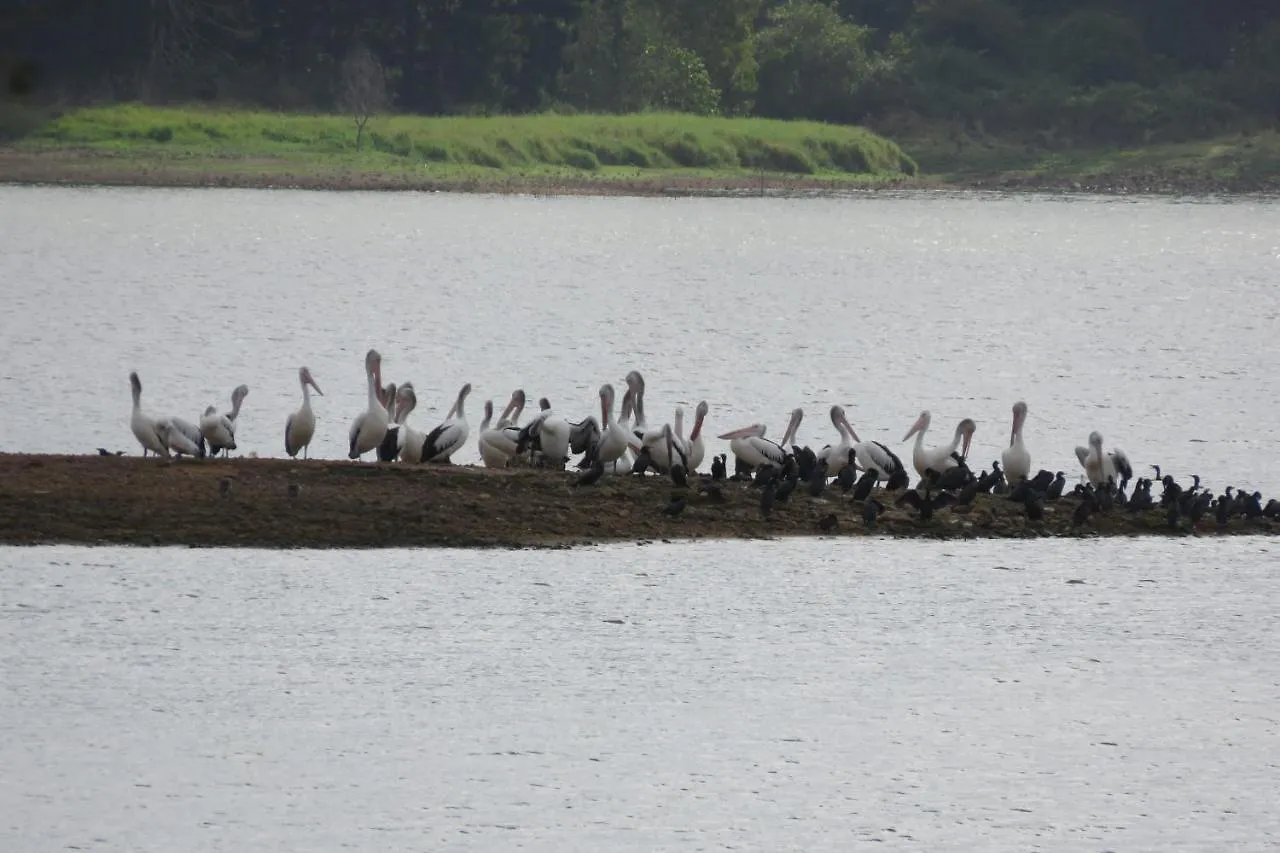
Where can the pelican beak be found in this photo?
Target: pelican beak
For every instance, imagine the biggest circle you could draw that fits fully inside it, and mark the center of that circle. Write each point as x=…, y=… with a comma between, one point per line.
x=915, y=427
x=317, y=387
x=739, y=433
x=849, y=427
x=964, y=450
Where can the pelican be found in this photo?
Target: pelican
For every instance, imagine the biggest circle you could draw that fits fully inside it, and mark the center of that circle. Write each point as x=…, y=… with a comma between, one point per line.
x=1099, y=467
x=655, y=440
x=143, y=425
x=389, y=448
x=635, y=384
x=301, y=425
x=938, y=458
x=408, y=441
x=550, y=434
x=445, y=440
x=750, y=445
x=1016, y=458
x=837, y=455
x=370, y=426
x=874, y=456
x=613, y=441
x=697, y=445
x=220, y=430
x=182, y=437
x=498, y=444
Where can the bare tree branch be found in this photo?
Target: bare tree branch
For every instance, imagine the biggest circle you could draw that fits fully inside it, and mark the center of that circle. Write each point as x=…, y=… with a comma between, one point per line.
x=362, y=88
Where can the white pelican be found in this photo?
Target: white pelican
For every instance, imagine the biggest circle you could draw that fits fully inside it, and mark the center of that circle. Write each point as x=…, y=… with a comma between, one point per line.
x=635, y=385
x=182, y=437
x=370, y=426
x=301, y=425
x=1015, y=458
x=837, y=455
x=750, y=445
x=445, y=440
x=409, y=441
x=1099, y=466
x=498, y=443
x=939, y=459
x=220, y=430
x=874, y=456
x=697, y=445
x=613, y=440
x=143, y=425
x=551, y=433
x=389, y=448
x=655, y=440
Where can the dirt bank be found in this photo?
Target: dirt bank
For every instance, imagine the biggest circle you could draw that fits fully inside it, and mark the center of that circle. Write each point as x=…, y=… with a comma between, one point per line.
x=90, y=168
x=135, y=501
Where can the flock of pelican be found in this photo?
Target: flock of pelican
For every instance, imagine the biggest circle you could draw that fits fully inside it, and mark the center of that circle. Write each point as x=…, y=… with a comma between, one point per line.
x=620, y=440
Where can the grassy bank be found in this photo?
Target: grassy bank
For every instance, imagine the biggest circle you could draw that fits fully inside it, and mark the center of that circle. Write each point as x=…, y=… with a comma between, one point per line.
x=1235, y=163
x=638, y=154
x=240, y=146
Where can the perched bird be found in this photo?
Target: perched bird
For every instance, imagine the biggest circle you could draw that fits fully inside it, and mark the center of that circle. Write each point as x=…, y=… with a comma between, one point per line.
x=591, y=476
x=718, y=469
x=925, y=504
x=675, y=506
x=871, y=510
x=767, y=494
x=828, y=522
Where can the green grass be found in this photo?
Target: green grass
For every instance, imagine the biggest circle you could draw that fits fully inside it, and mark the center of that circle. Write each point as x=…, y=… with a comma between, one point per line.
x=1246, y=160
x=533, y=145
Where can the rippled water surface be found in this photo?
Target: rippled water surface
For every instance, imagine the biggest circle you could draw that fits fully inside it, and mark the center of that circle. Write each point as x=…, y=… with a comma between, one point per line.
x=1151, y=320
x=811, y=695
x=806, y=695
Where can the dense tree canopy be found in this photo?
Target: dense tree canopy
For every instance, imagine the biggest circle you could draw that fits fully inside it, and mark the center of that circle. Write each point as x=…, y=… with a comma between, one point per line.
x=1058, y=71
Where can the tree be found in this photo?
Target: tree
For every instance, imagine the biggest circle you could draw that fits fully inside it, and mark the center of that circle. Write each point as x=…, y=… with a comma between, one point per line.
x=362, y=88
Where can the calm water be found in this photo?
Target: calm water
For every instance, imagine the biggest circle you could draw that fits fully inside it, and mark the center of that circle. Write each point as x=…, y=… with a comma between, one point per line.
x=1150, y=320
x=812, y=695
x=806, y=695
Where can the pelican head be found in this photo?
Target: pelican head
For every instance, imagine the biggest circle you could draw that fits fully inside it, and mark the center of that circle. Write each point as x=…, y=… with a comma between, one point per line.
x=635, y=381
x=920, y=426
x=965, y=430
x=1095, y=441
x=699, y=415
x=1019, y=416
x=793, y=426
x=406, y=400
x=135, y=383
x=210, y=410
x=238, y=395
x=844, y=421
x=305, y=379
x=756, y=430
x=544, y=404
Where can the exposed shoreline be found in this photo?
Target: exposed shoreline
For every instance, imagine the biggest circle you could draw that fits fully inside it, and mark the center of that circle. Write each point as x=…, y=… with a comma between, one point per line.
x=128, y=500
x=72, y=167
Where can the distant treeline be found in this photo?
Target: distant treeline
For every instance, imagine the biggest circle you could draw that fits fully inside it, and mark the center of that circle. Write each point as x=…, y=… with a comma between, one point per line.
x=1054, y=72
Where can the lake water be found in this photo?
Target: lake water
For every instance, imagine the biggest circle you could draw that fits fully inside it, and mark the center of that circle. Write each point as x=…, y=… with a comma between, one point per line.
x=1151, y=320
x=799, y=695
x=810, y=695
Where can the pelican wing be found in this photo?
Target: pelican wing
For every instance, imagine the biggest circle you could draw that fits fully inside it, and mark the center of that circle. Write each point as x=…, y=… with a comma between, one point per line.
x=354, y=434
x=288, y=434
x=443, y=441
x=1121, y=460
